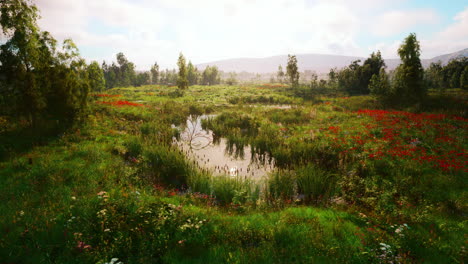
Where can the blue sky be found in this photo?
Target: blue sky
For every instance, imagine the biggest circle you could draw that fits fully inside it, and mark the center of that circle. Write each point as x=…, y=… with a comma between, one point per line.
x=206, y=30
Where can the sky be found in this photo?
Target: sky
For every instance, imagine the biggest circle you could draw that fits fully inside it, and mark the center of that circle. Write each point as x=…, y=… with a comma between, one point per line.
x=149, y=31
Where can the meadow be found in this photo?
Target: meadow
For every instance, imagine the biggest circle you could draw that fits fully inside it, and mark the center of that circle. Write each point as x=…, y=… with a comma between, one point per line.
x=354, y=182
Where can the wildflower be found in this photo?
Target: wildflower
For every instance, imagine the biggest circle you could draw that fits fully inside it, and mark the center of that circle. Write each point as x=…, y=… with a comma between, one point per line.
x=82, y=245
x=21, y=213
x=73, y=198
x=107, y=230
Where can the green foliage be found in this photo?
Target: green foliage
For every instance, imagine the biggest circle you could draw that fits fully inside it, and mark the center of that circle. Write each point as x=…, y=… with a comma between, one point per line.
x=182, y=81
x=280, y=74
x=96, y=77
x=38, y=82
x=121, y=74
x=408, y=84
x=317, y=185
x=433, y=77
x=464, y=79
x=453, y=71
x=210, y=76
x=106, y=190
x=379, y=86
x=143, y=78
x=155, y=73
x=355, y=78
x=192, y=74
x=292, y=71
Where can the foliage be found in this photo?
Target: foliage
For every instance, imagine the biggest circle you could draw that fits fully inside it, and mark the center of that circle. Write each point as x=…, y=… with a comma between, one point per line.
x=433, y=76
x=292, y=71
x=155, y=73
x=97, y=82
x=408, y=87
x=280, y=74
x=192, y=74
x=121, y=74
x=38, y=82
x=182, y=81
x=210, y=76
x=355, y=78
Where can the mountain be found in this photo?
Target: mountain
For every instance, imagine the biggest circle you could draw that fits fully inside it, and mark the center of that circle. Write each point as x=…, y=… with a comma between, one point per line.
x=319, y=63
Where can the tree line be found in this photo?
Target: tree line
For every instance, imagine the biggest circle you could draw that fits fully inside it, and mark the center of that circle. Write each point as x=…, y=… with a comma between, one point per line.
x=407, y=84
x=122, y=73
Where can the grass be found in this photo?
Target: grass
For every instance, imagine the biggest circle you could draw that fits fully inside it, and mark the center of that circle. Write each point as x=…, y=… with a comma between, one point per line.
x=114, y=187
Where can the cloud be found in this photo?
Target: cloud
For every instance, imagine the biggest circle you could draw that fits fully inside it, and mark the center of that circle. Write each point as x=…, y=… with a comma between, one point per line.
x=395, y=22
x=206, y=30
x=451, y=39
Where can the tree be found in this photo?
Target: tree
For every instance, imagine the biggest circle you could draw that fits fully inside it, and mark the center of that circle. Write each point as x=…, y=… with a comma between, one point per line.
x=371, y=66
x=38, y=82
x=192, y=74
x=142, y=78
x=232, y=80
x=292, y=71
x=210, y=76
x=121, y=74
x=433, y=76
x=155, y=73
x=280, y=74
x=408, y=80
x=96, y=77
x=126, y=75
x=182, y=81
x=379, y=85
x=464, y=79
x=349, y=78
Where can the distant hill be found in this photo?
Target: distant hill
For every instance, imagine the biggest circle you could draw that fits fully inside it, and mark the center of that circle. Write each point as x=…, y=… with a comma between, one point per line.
x=319, y=63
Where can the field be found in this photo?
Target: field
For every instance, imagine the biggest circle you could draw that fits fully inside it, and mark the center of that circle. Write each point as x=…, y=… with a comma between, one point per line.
x=353, y=182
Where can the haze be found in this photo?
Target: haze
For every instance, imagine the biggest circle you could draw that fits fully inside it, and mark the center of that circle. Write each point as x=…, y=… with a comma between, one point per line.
x=209, y=30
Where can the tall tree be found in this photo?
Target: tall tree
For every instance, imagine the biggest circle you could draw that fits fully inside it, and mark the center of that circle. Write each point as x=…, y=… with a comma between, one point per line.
x=40, y=82
x=155, y=73
x=292, y=71
x=210, y=76
x=408, y=80
x=433, y=76
x=182, y=81
x=280, y=74
x=126, y=74
x=96, y=77
x=464, y=79
x=379, y=85
x=192, y=74
x=371, y=66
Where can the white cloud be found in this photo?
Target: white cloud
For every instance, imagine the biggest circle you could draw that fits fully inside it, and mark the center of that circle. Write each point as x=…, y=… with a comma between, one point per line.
x=451, y=39
x=205, y=30
x=395, y=22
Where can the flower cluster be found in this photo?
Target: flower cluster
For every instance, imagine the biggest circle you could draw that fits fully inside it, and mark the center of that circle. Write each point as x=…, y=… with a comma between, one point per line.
x=120, y=103
x=433, y=139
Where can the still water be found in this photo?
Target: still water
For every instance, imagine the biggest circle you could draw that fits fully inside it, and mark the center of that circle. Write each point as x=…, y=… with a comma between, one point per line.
x=217, y=157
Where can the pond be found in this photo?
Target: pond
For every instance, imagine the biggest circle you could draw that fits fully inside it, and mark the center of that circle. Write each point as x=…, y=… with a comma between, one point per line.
x=218, y=156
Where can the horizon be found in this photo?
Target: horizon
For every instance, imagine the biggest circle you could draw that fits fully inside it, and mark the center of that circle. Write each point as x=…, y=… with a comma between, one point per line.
x=206, y=31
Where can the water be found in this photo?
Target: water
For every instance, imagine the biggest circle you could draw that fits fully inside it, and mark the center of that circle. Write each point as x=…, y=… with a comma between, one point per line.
x=220, y=158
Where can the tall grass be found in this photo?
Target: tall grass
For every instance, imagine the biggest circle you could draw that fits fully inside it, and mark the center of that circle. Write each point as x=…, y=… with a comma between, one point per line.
x=317, y=185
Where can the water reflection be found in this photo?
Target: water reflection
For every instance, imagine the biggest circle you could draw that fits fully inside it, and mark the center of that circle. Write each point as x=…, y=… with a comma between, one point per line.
x=222, y=156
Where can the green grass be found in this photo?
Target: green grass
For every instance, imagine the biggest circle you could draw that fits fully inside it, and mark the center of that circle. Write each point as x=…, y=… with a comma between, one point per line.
x=114, y=187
